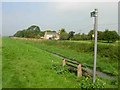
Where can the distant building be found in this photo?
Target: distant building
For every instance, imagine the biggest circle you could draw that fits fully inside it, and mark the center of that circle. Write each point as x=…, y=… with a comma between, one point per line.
x=51, y=35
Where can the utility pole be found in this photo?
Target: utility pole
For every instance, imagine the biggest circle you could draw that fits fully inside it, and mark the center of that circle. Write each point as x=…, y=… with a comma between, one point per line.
x=95, y=15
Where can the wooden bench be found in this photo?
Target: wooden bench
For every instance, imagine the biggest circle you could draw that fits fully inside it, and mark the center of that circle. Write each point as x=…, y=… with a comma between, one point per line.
x=73, y=64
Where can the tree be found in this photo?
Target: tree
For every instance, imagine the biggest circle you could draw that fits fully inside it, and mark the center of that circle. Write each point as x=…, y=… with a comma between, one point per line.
x=84, y=36
x=63, y=34
x=90, y=35
x=100, y=35
x=31, y=32
x=34, y=28
x=62, y=30
x=71, y=34
x=17, y=34
x=77, y=37
x=119, y=37
x=110, y=36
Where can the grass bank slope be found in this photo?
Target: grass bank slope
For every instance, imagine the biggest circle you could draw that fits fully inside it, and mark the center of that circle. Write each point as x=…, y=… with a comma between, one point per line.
x=25, y=66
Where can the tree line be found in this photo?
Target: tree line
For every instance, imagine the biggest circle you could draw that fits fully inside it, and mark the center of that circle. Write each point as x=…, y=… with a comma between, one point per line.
x=31, y=32
x=35, y=32
x=107, y=35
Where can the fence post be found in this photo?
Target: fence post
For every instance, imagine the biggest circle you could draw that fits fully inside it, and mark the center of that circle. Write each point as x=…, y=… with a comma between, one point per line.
x=63, y=62
x=79, y=70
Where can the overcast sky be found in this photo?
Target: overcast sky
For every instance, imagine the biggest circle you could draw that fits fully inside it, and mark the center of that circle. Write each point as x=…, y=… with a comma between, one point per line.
x=73, y=16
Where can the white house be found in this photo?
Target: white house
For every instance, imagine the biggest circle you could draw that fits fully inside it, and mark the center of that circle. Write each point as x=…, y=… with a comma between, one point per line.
x=51, y=35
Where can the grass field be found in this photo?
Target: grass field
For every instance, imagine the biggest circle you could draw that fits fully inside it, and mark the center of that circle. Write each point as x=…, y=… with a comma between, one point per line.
x=26, y=65
x=104, y=64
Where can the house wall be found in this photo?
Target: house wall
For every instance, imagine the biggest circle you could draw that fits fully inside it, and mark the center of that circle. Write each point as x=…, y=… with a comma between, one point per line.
x=48, y=36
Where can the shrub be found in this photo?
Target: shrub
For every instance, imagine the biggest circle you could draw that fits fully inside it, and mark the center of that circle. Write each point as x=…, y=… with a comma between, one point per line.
x=87, y=83
x=108, y=51
x=59, y=69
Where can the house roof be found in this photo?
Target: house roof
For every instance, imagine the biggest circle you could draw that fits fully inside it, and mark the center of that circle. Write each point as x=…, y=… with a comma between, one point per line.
x=51, y=33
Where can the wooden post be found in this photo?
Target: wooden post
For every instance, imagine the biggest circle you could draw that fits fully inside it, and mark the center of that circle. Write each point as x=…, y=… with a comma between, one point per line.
x=63, y=62
x=79, y=70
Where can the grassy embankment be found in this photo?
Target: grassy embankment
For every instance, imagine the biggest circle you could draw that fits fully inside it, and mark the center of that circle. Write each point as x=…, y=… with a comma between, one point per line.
x=26, y=65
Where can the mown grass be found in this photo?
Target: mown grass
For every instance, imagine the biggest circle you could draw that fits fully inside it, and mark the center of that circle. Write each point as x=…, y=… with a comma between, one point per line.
x=26, y=65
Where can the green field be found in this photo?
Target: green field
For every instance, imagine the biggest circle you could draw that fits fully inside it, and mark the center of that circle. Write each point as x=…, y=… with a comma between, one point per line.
x=27, y=65
x=107, y=59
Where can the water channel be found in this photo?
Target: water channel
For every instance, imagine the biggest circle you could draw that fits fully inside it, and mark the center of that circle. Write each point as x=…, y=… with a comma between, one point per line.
x=98, y=73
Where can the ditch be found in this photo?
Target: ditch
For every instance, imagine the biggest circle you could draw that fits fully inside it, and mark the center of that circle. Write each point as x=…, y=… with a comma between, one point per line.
x=87, y=68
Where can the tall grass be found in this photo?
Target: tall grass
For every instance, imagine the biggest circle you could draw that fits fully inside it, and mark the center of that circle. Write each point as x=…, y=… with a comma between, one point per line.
x=104, y=50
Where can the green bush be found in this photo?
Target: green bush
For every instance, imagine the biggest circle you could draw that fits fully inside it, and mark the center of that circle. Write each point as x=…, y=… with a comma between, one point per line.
x=108, y=51
x=84, y=82
x=87, y=83
x=59, y=69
